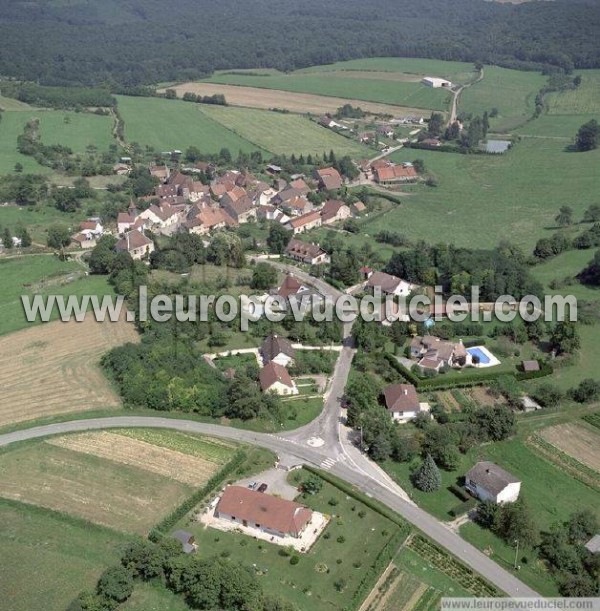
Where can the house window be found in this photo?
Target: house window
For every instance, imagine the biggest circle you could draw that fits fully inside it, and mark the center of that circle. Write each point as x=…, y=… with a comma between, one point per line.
x=257, y=525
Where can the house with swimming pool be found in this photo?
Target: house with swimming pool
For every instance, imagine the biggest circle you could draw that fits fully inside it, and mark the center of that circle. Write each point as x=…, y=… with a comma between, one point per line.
x=433, y=354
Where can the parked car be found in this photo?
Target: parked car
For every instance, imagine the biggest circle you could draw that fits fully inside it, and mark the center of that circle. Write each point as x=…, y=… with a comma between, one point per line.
x=263, y=487
x=252, y=485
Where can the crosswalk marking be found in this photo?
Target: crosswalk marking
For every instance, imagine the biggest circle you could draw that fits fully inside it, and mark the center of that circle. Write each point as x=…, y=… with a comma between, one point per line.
x=328, y=463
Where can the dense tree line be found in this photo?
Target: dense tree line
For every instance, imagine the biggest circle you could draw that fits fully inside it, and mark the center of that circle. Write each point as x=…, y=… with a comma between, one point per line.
x=136, y=42
x=501, y=271
x=204, y=582
x=58, y=97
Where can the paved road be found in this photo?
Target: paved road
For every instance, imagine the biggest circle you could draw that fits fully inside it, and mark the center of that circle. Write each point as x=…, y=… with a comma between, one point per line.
x=313, y=456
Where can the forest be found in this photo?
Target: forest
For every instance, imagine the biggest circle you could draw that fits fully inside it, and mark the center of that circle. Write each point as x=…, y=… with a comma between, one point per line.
x=127, y=43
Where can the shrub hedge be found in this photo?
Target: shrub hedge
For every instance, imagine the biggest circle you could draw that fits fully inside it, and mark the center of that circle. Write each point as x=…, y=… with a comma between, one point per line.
x=462, y=508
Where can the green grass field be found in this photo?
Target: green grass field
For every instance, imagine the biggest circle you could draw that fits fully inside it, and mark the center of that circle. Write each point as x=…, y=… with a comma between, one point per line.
x=284, y=133
x=583, y=100
x=554, y=126
x=44, y=275
x=50, y=557
x=13, y=104
x=457, y=72
x=172, y=124
x=482, y=199
x=346, y=85
x=512, y=92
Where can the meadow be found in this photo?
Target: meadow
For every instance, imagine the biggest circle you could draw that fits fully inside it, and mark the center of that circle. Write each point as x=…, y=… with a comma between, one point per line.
x=482, y=199
x=74, y=130
x=284, y=134
x=43, y=275
x=63, y=555
x=510, y=91
x=166, y=125
x=346, y=85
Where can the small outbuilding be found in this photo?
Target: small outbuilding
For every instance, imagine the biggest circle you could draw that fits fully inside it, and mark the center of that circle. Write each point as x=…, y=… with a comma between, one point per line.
x=530, y=366
x=187, y=540
x=593, y=545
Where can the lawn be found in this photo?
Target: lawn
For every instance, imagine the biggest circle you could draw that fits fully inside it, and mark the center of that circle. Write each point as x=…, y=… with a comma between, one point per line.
x=482, y=199
x=583, y=100
x=349, y=86
x=310, y=583
x=284, y=134
x=551, y=494
x=73, y=473
x=153, y=596
x=554, y=126
x=512, y=92
x=166, y=125
x=50, y=557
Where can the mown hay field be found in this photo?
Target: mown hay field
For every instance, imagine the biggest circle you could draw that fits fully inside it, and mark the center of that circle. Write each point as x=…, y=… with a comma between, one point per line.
x=265, y=99
x=106, y=478
x=284, y=133
x=54, y=369
x=577, y=441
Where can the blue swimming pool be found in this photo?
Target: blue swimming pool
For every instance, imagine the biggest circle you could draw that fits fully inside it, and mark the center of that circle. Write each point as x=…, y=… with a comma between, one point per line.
x=484, y=359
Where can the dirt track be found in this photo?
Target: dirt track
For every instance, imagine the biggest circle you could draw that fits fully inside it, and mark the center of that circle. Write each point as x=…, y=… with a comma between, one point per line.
x=255, y=97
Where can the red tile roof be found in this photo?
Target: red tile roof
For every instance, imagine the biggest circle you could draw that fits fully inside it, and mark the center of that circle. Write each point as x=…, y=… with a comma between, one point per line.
x=272, y=373
x=272, y=513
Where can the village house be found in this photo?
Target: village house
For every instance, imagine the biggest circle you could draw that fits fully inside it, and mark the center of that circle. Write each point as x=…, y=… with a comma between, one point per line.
x=121, y=169
x=435, y=353
x=359, y=208
x=162, y=172
x=277, y=349
x=489, y=482
x=271, y=213
x=84, y=240
x=275, y=378
x=390, y=285
x=297, y=206
x=290, y=286
x=242, y=209
x=431, y=142
x=209, y=219
x=311, y=254
x=305, y=222
x=402, y=402
x=299, y=184
x=393, y=174
x=334, y=210
x=92, y=226
x=136, y=244
x=261, y=193
x=160, y=216
x=329, y=179
x=197, y=191
x=269, y=514
x=124, y=222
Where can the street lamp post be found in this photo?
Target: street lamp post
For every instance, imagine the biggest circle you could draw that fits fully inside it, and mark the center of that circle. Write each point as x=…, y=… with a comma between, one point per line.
x=516, y=553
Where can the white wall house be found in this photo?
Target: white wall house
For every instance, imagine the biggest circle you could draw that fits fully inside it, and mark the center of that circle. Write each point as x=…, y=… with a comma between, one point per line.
x=489, y=482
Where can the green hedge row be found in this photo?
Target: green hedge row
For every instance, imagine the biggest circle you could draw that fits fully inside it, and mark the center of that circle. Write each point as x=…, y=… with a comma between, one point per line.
x=460, y=492
x=545, y=370
x=462, y=508
x=165, y=525
x=476, y=341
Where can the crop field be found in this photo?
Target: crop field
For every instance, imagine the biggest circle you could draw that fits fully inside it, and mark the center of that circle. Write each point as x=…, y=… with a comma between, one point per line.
x=344, y=85
x=575, y=440
x=53, y=369
x=514, y=196
x=265, y=99
x=510, y=91
x=125, y=450
x=166, y=125
x=51, y=557
x=584, y=100
x=283, y=133
x=402, y=592
x=108, y=479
